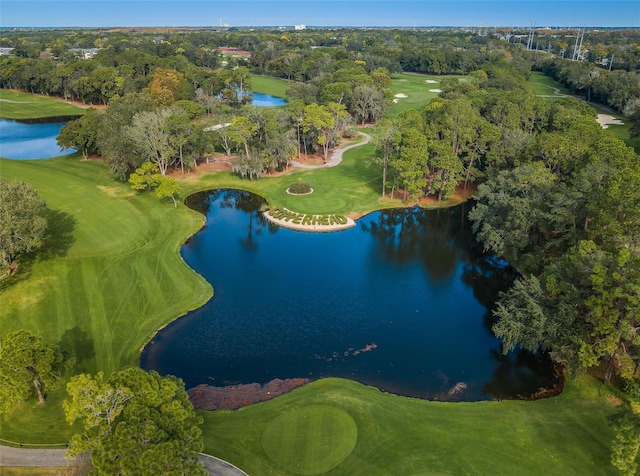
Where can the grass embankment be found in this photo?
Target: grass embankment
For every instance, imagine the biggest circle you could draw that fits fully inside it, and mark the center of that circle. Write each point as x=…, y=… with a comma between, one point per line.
x=109, y=277
x=268, y=85
x=565, y=435
x=19, y=105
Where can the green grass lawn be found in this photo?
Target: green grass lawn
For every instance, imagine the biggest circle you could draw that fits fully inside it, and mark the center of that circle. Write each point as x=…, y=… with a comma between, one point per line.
x=309, y=431
x=111, y=275
x=543, y=85
x=270, y=85
x=19, y=105
x=416, y=88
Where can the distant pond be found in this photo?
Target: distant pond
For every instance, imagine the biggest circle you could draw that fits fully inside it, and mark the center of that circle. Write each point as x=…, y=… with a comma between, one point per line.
x=265, y=100
x=400, y=302
x=29, y=140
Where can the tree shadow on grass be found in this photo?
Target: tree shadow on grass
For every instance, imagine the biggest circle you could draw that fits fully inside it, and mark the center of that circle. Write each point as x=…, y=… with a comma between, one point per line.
x=59, y=236
x=78, y=344
x=57, y=241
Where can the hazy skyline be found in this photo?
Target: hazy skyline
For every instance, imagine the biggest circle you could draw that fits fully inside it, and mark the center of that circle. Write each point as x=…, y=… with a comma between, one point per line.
x=359, y=13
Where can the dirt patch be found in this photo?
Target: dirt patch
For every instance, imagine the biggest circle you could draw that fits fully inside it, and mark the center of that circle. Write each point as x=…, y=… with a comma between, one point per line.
x=232, y=397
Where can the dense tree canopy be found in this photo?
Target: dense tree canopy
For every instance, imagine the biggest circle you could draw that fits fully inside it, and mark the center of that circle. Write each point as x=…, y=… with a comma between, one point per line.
x=135, y=422
x=28, y=366
x=23, y=221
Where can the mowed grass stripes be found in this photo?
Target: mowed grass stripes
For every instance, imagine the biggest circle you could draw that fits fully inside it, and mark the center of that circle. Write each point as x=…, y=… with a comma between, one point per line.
x=113, y=274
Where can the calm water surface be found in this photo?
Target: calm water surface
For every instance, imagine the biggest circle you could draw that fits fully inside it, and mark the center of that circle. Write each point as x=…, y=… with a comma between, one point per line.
x=399, y=302
x=21, y=140
x=264, y=100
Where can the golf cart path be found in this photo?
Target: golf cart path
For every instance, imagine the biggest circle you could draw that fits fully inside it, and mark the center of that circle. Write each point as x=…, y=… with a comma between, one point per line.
x=336, y=156
x=16, y=457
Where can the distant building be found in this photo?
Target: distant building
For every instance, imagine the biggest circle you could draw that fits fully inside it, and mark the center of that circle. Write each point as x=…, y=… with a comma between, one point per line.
x=6, y=51
x=300, y=27
x=85, y=53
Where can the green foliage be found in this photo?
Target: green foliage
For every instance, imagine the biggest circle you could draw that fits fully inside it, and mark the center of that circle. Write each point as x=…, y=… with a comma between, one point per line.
x=135, y=422
x=146, y=177
x=299, y=188
x=28, y=366
x=626, y=443
x=22, y=220
x=81, y=134
x=168, y=188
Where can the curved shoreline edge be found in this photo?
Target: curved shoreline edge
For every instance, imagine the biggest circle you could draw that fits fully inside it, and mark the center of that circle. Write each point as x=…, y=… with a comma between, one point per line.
x=308, y=221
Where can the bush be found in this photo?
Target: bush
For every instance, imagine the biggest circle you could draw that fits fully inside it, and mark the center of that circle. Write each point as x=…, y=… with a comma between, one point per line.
x=300, y=189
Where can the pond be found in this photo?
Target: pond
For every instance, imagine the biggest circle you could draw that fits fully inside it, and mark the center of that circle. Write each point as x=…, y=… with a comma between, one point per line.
x=30, y=140
x=399, y=302
x=264, y=100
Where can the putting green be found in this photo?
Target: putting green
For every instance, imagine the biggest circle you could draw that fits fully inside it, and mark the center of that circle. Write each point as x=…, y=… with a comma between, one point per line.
x=311, y=440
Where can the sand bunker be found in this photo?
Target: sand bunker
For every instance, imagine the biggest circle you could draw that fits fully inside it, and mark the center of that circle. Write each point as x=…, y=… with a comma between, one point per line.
x=605, y=119
x=401, y=95
x=430, y=81
x=395, y=101
x=435, y=90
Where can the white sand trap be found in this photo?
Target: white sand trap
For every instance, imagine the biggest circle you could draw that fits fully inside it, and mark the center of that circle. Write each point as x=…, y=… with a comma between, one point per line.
x=605, y=119
x=395, y=101
x=435, y=90
x=216, y=127
x=430, y=81
x=401, y=95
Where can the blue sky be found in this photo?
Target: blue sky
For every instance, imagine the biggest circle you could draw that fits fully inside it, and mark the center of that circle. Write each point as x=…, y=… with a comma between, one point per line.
x=102, y=13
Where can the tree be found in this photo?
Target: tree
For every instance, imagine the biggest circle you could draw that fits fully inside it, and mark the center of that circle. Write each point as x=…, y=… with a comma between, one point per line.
x=384, y=143
x=114, y=143
x=150, y=131
x=28, y=365
x=168, y=188
x=22, y=220
x=165, y=85
x=135, y=422
x=368, y=103
x=319, y=121
x=241, y=130
x=148, y=177
x=81, y=134
x=411, y=162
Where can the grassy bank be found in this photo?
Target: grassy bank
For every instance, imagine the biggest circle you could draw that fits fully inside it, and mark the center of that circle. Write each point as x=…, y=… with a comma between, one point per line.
x=109, y=276
x=269, y=85
x=19, y=105
x=565, y=435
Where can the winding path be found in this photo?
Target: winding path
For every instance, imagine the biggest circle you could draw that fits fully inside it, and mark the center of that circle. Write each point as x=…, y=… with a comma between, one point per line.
x=17, y=457
x=336, y=156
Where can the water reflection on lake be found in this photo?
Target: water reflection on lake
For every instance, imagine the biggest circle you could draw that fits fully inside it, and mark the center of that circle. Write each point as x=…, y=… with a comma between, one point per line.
x=399, y=302
x=28, y=141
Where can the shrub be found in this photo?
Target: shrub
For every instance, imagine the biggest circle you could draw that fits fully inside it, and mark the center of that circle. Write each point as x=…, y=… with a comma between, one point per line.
x=300, y=189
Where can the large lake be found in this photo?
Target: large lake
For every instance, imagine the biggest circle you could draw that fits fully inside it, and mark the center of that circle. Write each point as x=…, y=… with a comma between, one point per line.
x=399, y=302
x=29, y=141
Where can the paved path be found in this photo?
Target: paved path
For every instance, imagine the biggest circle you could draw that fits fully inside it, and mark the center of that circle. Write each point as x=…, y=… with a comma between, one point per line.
x=336, y=156
x=15, y=457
